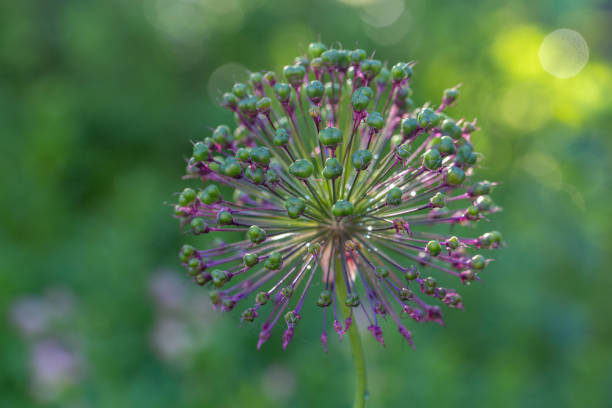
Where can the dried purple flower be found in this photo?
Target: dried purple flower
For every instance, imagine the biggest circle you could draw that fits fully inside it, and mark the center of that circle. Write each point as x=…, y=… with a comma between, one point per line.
x=338, y=178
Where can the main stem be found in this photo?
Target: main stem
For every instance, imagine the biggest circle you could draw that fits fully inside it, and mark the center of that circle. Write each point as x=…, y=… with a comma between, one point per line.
x=353, y=334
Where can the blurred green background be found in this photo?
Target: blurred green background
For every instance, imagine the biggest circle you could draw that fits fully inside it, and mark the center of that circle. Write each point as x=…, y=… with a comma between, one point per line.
x=98, y=103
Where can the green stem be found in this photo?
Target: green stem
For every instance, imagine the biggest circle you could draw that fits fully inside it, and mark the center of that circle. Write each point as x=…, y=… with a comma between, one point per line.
x=353, y=334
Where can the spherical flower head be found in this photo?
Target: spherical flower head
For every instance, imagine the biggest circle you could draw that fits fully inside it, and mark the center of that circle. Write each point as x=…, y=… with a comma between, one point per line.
x=337, y=180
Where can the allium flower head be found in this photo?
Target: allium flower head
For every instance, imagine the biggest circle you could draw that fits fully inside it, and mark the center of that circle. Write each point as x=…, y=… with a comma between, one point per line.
x=341, y=185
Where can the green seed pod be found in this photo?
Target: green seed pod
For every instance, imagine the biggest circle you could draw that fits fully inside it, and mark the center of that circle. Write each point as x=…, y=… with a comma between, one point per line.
x=428, y=118
x=187, y=197
x=446, y=146
x=403, y=151
x=294, y=74
x=358, y=55
x=411, y=273
x=240, y=90
x=330, y=58
x=200, y=152
x=210, y=195
x=375, y=121
x=480, y=188
x=225, y=218
x=325, y=298
x=432, y=159
x=438, y=200
x=295, y=207
x=274, y=261
x=352, y=300
x=232, y=168
x=315, y=91
x=222, y=135
x=330, y=136
x=255, y=175
x=198, y=226
x=301, y=169
x=282, y=91
x=332, y=169
x=256, y=234
x=272, y=177
x=261, y=155
x=453, y=242
x=249, y=314
x=484, y=203
x=262, y=298
x=316, y=49
x=382, y=271
x=370, y=68
x=250, y=260
x=219, y=277
x=361, y=159
x=394, y=196
x=281, y=137
x=243, y=154
x=409, y=126
x=450, y=95
x=454, y=176
x=434, y=248
x=361, y=98
x=450, y=128
x=478, y=262
x=342, y=208
x=264, y=105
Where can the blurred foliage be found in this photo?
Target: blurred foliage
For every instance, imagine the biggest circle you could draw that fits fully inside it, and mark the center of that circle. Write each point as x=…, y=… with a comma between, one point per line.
x=98, y=103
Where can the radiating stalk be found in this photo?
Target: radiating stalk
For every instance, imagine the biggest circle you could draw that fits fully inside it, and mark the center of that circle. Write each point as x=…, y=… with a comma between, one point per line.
x=361, y=392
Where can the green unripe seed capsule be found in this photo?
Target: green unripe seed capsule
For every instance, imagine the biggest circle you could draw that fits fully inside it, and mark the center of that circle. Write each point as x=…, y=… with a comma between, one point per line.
x=332, y=169
x=274, y=261
x=264, y=105
x=409, y=126
x=438, y=200
x=411, y=273
x=325, y=298
x=315, y=91
x=261, y=298
x=210, y=195
x=295, y=207
x=432, y=159
x=198, y=226
x=450, y=128
x=240, y=90
x=256, y=235
x=261, y=155
x=375, y=121
x=243, y=154
x=272, y=177
x=316, y=49
x=301, y=169
x=222, y=135
x=361, y=159
x=454, y=176
x=250, y=260
x=330, y=136
x=484, y=203
x=352, y=300
x=446, y=145
x=478, y=262
x=332, y=92
x=394, y=196
x=361, y=98
x=200, y=152
x=453, y=242
x=428, y=118
x=358, y=55
x=370, y=68
x=232, y=168
x=219, y=277
x=294, y=74
x=434, y=248
x=225, y=218
x=281, y=137
x=187, y=197
x=382, y=271
x=282, y=91
x=342, y=208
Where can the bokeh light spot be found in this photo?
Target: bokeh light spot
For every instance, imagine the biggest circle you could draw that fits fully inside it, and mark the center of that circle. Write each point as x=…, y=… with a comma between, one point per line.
x=563, y=53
